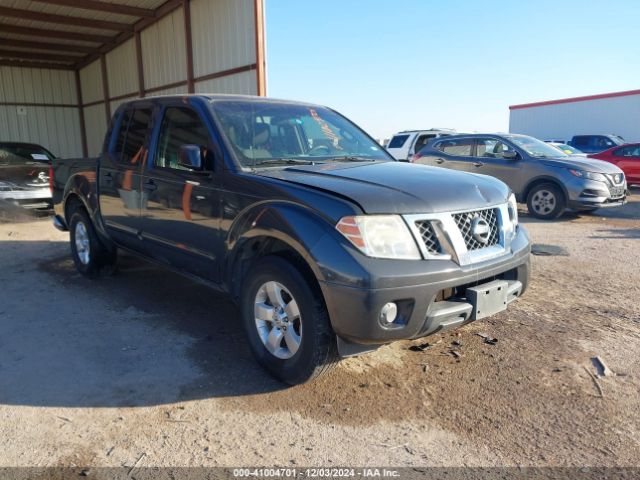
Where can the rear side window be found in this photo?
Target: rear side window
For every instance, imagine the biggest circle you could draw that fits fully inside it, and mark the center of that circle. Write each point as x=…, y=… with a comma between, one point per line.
x=580, y=141
x=460, y=148
x=398, y=141
x=122, y=133
x=133, y=148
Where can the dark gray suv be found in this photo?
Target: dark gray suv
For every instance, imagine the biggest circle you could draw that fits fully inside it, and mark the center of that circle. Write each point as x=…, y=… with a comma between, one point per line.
x=548, y=180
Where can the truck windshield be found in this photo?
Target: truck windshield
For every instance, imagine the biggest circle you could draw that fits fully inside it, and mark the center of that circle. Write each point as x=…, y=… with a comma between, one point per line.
x=267, y=134
x=536, y=148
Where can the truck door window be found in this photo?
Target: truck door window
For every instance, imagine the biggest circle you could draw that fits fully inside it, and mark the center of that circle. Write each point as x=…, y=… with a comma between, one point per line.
x=632, y=151
x=491, y=148
x=422, y=141
x=180, y=126
x=133, y=148
x=460, y=148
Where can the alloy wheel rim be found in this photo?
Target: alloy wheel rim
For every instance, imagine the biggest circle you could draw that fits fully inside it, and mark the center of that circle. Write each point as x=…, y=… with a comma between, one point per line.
x=82, y=243
x=543, y=202
x=278, y=321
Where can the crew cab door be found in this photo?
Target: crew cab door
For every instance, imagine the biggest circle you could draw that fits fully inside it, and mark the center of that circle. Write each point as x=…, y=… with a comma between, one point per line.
x=491, y=158
x=628, y=160
x=421, y=141
x=181, y=205
x=451, y=153
x=119, y=172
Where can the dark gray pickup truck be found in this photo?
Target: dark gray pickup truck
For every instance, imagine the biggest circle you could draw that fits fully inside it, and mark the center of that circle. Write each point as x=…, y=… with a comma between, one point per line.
x=329, y=246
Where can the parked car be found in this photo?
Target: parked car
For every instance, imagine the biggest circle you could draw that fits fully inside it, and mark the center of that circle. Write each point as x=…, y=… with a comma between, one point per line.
x=568, y=149
x=404, y=145
x=595, y=143
x=329, y=246
x=627, y=158
x=548, y=180
x=24, y=175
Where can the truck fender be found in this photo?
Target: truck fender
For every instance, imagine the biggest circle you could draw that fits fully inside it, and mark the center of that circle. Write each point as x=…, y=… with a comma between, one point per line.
x=542, y=179
x=312, y=236
x=81, y=187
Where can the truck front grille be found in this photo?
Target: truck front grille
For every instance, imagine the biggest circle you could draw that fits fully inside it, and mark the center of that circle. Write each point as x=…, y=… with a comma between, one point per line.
x=428, y=236
x=450, y=236
x=464, y=221
x=616, y=178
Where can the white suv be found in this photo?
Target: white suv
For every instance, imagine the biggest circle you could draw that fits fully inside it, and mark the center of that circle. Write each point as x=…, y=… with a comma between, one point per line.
x=404, y=145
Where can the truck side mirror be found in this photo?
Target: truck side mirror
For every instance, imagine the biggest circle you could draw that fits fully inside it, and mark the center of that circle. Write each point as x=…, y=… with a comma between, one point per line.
x=510, y=154
x=189, y=156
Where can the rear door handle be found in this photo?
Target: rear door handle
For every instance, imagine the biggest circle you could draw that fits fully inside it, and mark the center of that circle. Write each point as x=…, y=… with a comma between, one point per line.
x=478, y=164
x=150, y=186
x=439, y=160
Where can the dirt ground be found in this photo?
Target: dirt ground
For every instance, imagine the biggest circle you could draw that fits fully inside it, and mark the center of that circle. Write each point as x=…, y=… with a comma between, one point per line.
x=151, y=368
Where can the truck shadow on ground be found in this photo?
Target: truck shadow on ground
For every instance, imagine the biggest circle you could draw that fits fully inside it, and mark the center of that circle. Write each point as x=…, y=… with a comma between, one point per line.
x=145, y=336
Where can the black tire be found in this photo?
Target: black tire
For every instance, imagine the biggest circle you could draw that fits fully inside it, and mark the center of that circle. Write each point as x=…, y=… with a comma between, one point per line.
x=546, y=201
x=317, y=352
x=99, y=260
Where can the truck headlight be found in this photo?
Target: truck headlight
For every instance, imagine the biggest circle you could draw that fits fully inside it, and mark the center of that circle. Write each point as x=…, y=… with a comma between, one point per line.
x=380, y=236
x=598, y=177
x=513, y=210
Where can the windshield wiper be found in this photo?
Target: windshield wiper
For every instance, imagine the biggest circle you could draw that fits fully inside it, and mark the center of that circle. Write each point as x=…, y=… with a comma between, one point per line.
x=352, y=158
x=283, y=161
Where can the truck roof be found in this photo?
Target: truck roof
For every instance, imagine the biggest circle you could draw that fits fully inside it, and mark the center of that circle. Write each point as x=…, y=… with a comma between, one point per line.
x=213, y=97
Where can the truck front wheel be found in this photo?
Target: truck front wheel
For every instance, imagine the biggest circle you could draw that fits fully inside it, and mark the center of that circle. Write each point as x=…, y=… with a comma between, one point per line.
x=286, y=322
x=546, y=201
x=89, y=254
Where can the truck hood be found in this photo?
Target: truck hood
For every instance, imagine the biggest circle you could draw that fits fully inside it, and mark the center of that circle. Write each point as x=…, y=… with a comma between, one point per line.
x=400, y=188
x=582, y=163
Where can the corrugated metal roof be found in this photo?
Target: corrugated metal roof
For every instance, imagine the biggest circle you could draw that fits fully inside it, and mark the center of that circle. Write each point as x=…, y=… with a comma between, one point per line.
x=63, y=22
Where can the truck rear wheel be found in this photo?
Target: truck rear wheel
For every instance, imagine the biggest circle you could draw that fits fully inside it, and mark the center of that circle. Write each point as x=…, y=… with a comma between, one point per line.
x=546, y=201
x=90, y=255
x=286, y=322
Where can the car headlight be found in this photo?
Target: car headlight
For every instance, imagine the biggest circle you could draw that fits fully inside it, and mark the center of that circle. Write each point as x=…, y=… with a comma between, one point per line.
x=513, y=210
x=588, y=175
x=380, y=236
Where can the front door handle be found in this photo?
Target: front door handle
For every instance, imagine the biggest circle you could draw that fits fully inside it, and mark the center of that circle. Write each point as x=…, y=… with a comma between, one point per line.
x=150, y=186
x=439, y=160
x=478, y=164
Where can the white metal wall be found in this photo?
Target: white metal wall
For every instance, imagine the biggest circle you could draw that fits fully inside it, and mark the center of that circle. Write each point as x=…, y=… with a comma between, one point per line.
x=27, y=119
x=223, y=39
x=122, y=69
x=91, y=82
x=164, y=57
x=243, y=83
x=223, y=33
x=618, y=115
x=95, y=115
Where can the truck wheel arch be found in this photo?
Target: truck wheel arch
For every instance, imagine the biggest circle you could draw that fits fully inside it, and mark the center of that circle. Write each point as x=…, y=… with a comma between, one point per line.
x=71, y=202
x=286, y=230
x=540, y=180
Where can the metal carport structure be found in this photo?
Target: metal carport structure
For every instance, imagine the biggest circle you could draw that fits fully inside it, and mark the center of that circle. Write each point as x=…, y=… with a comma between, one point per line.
x=66, y=65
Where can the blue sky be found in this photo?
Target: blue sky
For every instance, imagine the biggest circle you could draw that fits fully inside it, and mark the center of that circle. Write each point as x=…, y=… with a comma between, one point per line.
x=404, y=64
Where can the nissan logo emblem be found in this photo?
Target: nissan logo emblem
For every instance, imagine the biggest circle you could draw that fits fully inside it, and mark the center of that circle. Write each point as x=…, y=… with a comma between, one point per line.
x=480, y=230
